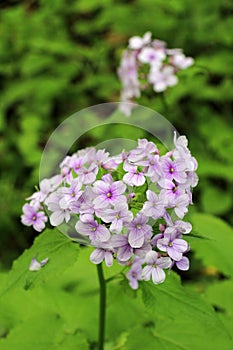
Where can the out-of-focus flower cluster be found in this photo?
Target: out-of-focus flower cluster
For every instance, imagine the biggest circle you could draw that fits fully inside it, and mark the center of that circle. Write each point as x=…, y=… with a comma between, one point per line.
x=130, y=206
x=148, y=62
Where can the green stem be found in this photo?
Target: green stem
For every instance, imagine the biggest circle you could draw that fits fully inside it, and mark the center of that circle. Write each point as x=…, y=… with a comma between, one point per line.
x=164, y=102
x=102, y=306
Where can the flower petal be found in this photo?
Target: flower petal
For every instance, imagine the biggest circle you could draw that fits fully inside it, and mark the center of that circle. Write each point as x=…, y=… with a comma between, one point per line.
x=97, y=256
x=136, y=240
x=146, y=272
x=158, y=275
x=183, y=264
x=108, y=258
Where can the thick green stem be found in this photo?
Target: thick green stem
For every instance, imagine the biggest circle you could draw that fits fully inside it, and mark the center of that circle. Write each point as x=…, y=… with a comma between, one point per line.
x=102, y=306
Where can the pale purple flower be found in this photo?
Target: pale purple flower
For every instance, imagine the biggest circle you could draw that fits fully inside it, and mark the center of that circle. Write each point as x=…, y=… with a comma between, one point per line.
x=88, y=154
x=58, y=213
x=138, y=230
x=155, y=239
x=192, y=179
x=121, y=245
x=126, y=106
x=163, y=78
x=175, y=247
x=33, y=217
x=181, y=151
x=128, y=69
x=154, y=267
x=181, y=142
x=137, y=42
x=69, y=194
x=133, y=177
x=118, y=216
x=111, y=163
x=158, y=44
x=183, y=264
x=86, y=205
x=181, y=205
x=181, y=61
x=76, y=163
x=46, y=186
x=178, y=226
x=129, y=76
x=153, y=167
x=171, y=191
x=151, y=56
x=90, y=227
x=154, y=206
x=103, y=251
x=88, y=175
x=104, y=209
x=101, y=156
x=173, y=170
x=164, y=64
x=135, y=155
x=124, y=250
x=144, y=149
x=36, y=265
x=134, y=274
x=172, y=52
x=108, y=193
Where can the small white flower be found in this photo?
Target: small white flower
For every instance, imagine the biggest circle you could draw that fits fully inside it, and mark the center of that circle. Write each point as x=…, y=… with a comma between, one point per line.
x=136, y=42
x=35, y=265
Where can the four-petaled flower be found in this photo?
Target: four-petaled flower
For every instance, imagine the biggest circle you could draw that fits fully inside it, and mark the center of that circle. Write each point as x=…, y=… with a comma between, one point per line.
x=108, y=192
x=139, y=230
x=33, y=217
x=175, y=247
x=90, y=227
x=154, y=267
x=118, y=216
x=154, y=206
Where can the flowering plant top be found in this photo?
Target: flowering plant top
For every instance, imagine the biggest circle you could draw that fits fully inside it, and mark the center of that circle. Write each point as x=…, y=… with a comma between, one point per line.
x=149, y=62
x=129, y=207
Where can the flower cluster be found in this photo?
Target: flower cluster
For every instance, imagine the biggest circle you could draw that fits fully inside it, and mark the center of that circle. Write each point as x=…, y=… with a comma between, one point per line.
x=148, y=62
x=130, y=206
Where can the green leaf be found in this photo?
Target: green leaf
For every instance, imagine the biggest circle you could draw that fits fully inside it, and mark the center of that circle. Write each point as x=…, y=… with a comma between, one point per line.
x=75, y=295
x=215, y=201
x=220, y=294
x=52, y=244
x=216, y=250
x=43, y=332
x=213, y=168
x=181, y=320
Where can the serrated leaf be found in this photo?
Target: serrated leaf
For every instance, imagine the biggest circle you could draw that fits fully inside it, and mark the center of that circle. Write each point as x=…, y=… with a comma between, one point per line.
x=181, y=320
x=220, y=296
x=52, y=244
x=216, y=250
x=43, y=332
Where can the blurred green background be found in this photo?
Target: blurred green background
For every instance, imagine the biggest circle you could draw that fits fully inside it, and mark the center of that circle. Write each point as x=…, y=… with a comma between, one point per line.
x=59, y=56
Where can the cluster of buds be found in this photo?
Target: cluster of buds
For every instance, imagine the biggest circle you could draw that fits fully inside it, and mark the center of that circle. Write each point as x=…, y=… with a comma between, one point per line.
x=130, y=207
x=148, y=62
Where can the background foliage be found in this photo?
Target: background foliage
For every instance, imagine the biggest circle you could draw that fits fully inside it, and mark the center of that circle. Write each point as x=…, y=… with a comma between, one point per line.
x=57, y=57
